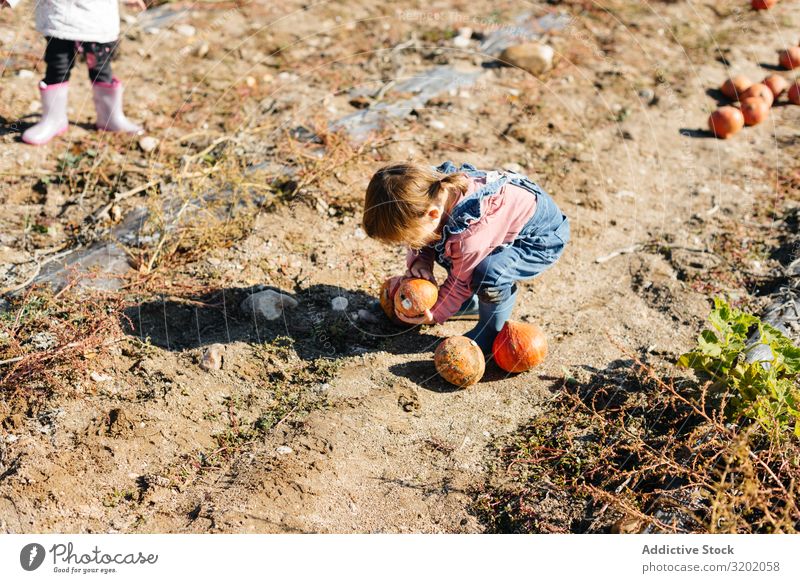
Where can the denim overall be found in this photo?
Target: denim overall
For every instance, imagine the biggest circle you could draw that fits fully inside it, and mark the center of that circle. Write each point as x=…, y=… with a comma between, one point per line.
x=538, y=246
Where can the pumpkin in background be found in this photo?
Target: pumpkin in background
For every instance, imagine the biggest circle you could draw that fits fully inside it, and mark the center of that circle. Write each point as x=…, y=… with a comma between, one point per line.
x=755, y=110
x=414, y=296
x=790, y=58
x=794, y=93
x=519, y=347
x=726, y=121
x=735, y=86
x=777, y=84
x=459, y=361
x=759, y=90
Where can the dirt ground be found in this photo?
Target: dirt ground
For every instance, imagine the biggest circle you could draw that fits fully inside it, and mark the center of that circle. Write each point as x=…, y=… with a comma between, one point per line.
x=321, y=421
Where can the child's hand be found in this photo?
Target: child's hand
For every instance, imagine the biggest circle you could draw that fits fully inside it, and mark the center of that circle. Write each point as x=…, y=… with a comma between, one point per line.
x=422, y=272
x=132, y=4
x=425, y=319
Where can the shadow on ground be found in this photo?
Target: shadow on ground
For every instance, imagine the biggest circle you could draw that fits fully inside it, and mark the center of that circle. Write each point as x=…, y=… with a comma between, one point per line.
x=317, y=331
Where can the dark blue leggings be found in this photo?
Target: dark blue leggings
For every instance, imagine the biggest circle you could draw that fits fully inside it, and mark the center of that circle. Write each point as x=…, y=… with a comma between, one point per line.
x=60, y=57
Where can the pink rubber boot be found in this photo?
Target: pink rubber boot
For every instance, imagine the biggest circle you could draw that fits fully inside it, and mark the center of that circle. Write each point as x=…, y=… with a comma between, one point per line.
x=108, y=104
x=54, y=120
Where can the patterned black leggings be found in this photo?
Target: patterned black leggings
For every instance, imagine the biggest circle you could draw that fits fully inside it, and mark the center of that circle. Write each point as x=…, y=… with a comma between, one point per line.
x=60, y=56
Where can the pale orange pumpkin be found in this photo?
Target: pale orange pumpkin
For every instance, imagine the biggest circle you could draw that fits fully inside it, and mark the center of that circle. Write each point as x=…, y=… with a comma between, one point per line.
x=735, y=86
x=794, y=92
x=459, y=361
x=755, y=110
x=726, y=121
x=519, y=347
x=777, y=84
x=759, y=90
x=414, y=296
x=790, y=58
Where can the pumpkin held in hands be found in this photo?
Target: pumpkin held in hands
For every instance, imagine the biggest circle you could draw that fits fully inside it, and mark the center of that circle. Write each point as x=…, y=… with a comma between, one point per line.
x=414, y=296
x=519, y=347
x=386, y=297
x=459, y=361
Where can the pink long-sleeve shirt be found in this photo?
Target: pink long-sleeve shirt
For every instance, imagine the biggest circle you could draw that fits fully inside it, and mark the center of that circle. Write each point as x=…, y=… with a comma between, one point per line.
x=503, y=215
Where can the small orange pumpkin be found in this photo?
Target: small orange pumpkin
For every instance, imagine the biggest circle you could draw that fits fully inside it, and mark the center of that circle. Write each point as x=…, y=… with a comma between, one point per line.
x=790, y=58
x=794, y=92
x=763, y=4
x=386, y=297
x=459, y=361
x=755, y=110
x=726, y=121
x=519, y=347
x=735, y=86
x=414, y=296
x=777, y=84
x=759, y=90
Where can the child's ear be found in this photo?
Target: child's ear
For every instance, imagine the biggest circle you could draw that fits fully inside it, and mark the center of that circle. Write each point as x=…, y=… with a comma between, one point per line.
x=435, y=212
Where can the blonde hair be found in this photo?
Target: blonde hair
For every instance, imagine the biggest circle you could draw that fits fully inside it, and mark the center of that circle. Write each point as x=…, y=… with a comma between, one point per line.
x=399, y=195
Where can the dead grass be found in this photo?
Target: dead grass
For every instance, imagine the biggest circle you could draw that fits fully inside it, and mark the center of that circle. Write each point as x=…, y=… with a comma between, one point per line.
x=632, y=447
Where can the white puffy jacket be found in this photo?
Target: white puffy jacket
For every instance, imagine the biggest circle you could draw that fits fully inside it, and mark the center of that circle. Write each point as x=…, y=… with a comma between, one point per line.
x=79, y=20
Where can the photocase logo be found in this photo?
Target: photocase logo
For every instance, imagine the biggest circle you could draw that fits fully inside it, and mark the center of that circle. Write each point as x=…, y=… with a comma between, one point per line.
x=31, y=556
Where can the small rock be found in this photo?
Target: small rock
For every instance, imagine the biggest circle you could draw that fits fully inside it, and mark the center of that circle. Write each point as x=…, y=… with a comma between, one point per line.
x=212, y=357
x=462, y=42
x=436, y=124
x=25, y=74
x=360, y=234
x=185, y=30
x=115, y=212
x=647, y=95
x=202, y=50
x=268, y=304
x=535, y=58
x=625, y=194
x=369, y=317
x=250, y=81
x=283, y=450
x=11, y=438
x=514, y=167
x=4, y=306
x=148, y=143
x=43, y=341
x=100, y=378
x=339, y=303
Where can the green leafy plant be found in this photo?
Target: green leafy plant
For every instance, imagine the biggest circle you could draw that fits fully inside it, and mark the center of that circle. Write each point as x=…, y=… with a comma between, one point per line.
x=765, y=390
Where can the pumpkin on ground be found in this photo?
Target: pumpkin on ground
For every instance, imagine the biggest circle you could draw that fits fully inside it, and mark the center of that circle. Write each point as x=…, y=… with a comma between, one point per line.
x=759, y=90
x=735, y=86
x=519, y=347
x=459, y=360
x=777, y=84
x=794, y=93
x=726, y=121
x=755, y=110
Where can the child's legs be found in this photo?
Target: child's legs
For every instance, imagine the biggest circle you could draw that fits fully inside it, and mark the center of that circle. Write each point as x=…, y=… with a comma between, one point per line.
x=60, y=57
x=494, y=281
x=98, y=60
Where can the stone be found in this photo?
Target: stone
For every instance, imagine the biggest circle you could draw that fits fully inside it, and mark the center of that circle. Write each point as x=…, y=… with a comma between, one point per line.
x=360, y=234
x=43, y=341
x=268, y=304
x=212, y=357
x=185, y=30
x=283, y=450
x=25, y=74
x=339, y=304
x=202, y=50
x=100, y=377
x=148, y=143
x=4, y=306
x=533, y=57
